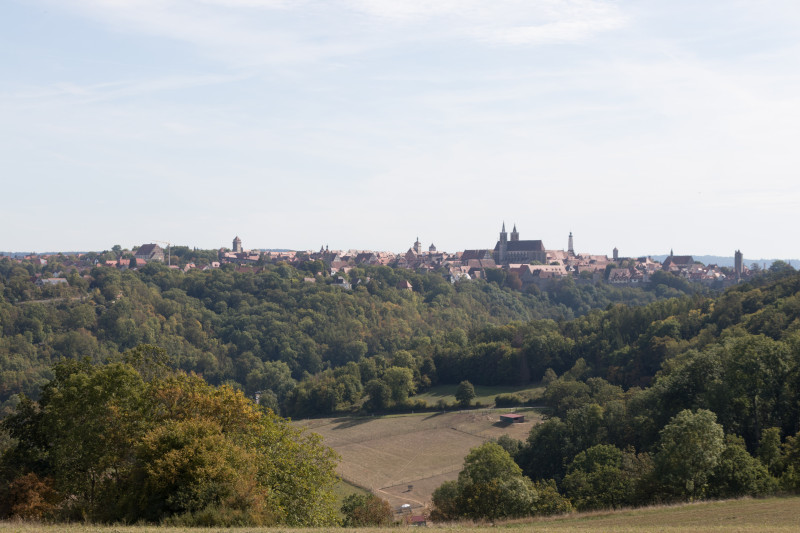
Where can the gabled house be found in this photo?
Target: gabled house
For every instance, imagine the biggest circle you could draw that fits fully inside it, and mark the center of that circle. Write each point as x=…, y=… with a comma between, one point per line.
x=149, y=252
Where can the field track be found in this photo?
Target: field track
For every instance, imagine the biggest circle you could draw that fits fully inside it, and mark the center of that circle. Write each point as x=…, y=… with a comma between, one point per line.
x=779, y=515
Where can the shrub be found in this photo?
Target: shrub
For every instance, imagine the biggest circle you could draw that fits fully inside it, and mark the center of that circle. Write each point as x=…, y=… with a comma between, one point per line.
x=366, y=510
x=508, y=400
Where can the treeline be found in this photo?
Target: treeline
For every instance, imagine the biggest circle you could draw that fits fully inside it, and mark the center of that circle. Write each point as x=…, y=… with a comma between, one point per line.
x=681, y=400
x=265, y=329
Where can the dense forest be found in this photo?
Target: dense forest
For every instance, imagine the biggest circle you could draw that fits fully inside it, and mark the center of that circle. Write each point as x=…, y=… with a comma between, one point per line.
x=265, y=329
x=678, y=400
x=662, y=393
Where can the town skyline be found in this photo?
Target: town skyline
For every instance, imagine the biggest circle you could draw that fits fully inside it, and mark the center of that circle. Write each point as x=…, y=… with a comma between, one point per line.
x=422, y=248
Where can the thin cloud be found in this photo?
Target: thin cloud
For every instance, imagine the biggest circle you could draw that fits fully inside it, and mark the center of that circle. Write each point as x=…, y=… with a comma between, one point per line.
x=252, y=32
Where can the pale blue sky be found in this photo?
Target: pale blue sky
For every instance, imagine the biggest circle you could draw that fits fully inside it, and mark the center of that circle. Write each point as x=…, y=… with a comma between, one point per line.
x=644, y=125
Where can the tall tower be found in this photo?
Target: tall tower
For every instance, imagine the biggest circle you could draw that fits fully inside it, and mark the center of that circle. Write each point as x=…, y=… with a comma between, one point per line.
x=417, y=247
x=616, y=254
x=737, y=264
x=570, y=245
x=514, y=234
x=503, y=245
x=237, y=245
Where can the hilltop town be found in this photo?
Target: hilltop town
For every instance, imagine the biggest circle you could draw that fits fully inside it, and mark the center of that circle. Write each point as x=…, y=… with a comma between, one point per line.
x=522, y=262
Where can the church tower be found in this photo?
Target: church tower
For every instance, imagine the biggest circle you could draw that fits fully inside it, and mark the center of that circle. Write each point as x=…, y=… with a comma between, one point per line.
x=237, y=245
x=570, y=245
x=503, y=245
x=514, y=234
x=417, y=247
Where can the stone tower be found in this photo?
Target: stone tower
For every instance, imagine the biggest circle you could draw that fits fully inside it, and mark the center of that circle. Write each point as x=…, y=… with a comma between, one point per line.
x=503, y=248
x=514, y=234
x=616, y=254
x=570, y=245
x=237, y=245
x=737, y=264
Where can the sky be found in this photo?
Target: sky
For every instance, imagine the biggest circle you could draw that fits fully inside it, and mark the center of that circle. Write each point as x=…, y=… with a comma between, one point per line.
x=363, y=124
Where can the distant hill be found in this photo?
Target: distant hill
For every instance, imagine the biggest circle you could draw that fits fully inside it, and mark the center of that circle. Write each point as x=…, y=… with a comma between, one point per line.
x=729, y=261
x=20, y=255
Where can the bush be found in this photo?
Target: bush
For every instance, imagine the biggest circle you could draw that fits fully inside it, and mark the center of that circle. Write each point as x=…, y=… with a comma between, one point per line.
x=508, y=400
x=366, y=510
x=31, y=498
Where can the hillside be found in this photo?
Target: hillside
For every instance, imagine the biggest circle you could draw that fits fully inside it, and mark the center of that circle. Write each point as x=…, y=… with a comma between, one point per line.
x=261, y=328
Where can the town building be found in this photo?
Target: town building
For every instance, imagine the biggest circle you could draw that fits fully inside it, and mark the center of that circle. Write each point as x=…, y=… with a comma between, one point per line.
x=517, y=251
x=149, y=252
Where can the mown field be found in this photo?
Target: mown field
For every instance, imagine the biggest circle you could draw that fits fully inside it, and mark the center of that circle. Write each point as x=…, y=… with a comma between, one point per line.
x=404, y=458
x=733, y=516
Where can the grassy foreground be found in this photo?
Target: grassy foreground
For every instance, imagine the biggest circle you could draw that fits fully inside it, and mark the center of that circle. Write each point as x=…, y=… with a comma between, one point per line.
x=771, y=514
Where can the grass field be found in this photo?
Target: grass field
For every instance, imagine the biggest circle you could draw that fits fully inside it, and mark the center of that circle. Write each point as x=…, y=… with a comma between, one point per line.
x=484, y=395
x=736, y=516
x=404, y=458
x=771, y=514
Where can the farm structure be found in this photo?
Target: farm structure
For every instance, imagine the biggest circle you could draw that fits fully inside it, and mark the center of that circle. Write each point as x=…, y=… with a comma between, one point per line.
x=512, y=418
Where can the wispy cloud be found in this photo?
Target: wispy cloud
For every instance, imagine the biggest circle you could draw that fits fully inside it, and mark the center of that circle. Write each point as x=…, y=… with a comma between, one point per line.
x=276, y=31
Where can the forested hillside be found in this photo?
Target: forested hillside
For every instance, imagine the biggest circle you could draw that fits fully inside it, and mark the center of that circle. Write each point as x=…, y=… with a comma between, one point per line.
x=679, y=400
x=263, y=329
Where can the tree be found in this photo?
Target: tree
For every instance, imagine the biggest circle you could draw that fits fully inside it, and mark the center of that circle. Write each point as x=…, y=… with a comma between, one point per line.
x=739, y=474
x=400, y=381
x=780, y=267
x=769, y=450
x=185, y=467
x=119, y=448
x=366, y=510
x=445, y=502
x=492, y=486
x=688, y=451
x=465, y=393
x=380, y=395
x=596, y=480
x=91, y=418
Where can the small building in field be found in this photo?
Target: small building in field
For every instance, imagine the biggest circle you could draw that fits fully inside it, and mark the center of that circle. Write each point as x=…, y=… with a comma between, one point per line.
x=417, y=520
x=512, y=418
